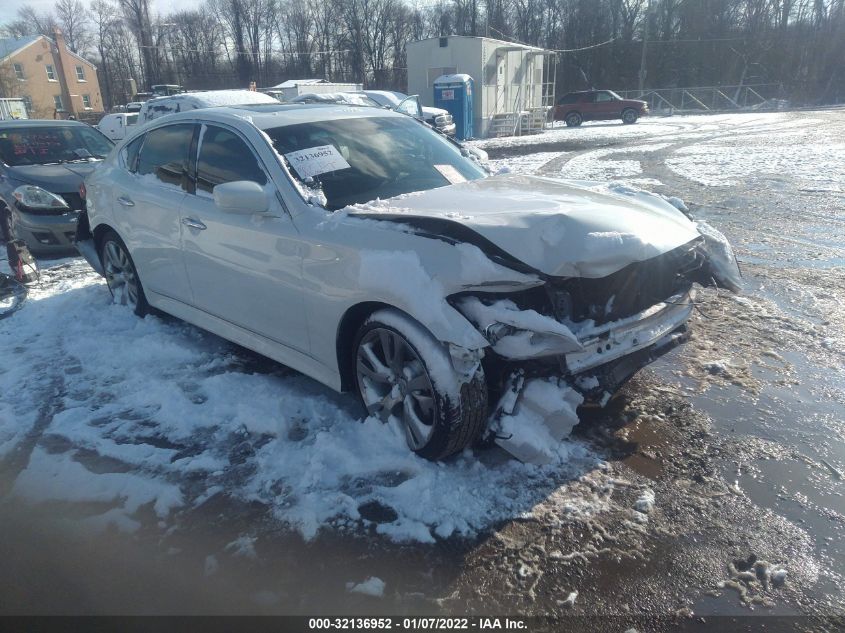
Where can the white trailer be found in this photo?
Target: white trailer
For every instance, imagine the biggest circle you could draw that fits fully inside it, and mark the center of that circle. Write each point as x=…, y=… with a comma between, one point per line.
x=514, y=84
x=12, y=108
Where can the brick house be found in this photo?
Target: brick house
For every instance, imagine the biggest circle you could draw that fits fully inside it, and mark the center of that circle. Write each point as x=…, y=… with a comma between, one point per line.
x=53, y=80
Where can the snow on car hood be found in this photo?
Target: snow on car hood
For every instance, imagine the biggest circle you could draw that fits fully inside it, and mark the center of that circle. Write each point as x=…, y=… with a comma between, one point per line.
x=557, y=227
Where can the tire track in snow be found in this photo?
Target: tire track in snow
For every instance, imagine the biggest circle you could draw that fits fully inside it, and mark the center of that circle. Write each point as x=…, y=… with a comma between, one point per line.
x=51, y=390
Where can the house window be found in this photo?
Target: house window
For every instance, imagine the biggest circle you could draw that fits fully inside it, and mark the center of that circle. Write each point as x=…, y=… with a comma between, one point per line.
x=51, y=73
x=19, y=71
x=57, y=101
x=86, y=101
x=27, y=101
x=80, y=73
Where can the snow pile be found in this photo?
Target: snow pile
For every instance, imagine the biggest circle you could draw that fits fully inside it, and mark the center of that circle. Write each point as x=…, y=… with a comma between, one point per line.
x=144, y=417
x=544, y=414
x=372, y=586
x=569, y=601
x=527, y=164
x=645, y=502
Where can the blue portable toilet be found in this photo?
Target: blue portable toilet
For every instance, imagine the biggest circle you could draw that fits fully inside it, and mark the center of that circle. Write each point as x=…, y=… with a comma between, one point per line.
x=454, y=94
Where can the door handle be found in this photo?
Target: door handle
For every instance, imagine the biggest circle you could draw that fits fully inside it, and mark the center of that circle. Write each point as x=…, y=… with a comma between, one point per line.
x=194, y=224
x=126, y=202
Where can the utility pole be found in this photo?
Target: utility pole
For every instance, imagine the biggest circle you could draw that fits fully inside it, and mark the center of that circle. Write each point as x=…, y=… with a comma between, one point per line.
x=645, y=46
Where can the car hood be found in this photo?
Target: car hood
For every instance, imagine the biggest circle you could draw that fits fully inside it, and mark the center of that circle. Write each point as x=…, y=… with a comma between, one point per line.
x=557, y=227
x=62, y=178
x=430, y=113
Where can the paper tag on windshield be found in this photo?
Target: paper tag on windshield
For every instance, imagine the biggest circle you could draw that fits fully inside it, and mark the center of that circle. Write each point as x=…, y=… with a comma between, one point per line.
x=316, y=160
x=450, y=173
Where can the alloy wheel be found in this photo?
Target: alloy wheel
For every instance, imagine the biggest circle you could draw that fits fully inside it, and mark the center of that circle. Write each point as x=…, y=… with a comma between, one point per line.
x=395, y=385
x=120, y=274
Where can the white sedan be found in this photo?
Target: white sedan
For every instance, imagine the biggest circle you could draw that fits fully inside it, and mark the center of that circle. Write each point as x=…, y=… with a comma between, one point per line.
x=361, y=248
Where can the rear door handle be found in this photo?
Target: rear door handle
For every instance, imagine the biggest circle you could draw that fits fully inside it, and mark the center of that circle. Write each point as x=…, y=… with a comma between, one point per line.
x=126, y=202
x=194, y=224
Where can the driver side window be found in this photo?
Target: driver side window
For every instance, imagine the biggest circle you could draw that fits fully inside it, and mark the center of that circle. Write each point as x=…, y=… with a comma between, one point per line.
x=225, y=157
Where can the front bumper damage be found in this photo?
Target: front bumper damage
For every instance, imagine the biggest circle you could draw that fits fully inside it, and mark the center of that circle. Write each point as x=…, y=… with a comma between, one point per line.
x=556, y=367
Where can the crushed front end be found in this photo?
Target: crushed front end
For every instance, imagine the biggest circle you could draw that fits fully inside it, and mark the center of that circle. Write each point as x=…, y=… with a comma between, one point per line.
x=582, y=335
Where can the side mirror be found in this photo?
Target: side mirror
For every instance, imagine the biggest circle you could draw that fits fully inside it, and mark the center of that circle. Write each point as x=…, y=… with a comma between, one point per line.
x=242, y=196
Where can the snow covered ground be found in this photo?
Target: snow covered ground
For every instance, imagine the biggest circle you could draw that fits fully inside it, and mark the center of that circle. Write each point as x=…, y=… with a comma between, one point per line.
x=126, y=412
x=718, y=151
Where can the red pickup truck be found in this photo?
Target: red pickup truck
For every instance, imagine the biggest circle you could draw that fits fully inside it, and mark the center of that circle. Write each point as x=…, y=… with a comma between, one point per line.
x=598, y=105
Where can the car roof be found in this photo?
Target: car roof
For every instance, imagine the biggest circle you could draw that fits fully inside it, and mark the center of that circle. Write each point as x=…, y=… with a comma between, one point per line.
x=276, y=115
x=39, y=123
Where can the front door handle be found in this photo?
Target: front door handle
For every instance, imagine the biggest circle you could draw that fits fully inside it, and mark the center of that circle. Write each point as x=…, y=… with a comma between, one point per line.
x=126, y=202
x=194, y=224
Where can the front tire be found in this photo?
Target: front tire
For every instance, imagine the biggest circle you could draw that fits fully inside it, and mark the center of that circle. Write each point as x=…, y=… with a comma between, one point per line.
x=405, y=376
x=121, y=276
x=574, y=119
x=630, y=116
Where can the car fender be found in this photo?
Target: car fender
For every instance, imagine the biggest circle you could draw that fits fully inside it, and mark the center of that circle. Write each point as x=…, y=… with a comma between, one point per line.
x=349, y=261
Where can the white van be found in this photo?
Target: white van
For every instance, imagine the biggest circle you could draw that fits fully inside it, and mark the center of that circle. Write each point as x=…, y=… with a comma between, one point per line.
x=12, y=109
x=115, y=125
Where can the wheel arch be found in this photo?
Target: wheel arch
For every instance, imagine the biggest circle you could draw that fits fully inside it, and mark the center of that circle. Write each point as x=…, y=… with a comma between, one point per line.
x=349, y=324
x=99, y=232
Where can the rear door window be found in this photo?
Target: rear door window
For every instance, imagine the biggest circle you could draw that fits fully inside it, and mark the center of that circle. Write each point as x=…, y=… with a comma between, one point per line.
x=225, y=157
x=164, y=154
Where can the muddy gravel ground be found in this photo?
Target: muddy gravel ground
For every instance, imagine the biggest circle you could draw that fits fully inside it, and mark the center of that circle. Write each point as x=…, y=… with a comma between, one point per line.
x=719, y=497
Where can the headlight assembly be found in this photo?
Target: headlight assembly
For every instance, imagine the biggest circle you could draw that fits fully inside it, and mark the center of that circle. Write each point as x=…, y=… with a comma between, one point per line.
x=33, y=197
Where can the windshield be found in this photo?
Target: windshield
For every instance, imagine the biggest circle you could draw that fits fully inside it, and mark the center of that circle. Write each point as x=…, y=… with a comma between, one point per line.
x=44, y=145
x=361, y=159
x=615, y=96
x=386, y=99
x=131, y=119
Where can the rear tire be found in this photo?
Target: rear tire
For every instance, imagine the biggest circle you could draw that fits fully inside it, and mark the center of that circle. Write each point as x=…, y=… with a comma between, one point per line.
x=574, y=119
x=121, y=275
x=629, y=116
x=405, y=376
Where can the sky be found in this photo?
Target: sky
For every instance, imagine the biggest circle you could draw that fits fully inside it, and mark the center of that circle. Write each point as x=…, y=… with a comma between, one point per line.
x=9, y=8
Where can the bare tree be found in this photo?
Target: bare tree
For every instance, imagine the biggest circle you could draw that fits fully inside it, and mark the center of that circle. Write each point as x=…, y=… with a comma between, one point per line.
x=75, y=24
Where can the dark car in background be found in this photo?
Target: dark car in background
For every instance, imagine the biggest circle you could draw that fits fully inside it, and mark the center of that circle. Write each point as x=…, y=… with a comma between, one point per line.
x=598, y=105
x=42, y=167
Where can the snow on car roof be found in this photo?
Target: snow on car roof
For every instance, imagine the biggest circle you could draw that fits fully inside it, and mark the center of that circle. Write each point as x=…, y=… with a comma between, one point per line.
x=278, y=114
x=210, y=98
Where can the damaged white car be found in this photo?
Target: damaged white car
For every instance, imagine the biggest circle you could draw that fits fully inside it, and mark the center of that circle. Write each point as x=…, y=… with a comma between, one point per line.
x=365, y=250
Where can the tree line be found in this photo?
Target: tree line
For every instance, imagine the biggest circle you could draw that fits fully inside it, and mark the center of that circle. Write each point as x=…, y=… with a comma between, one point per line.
x=796, y=45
